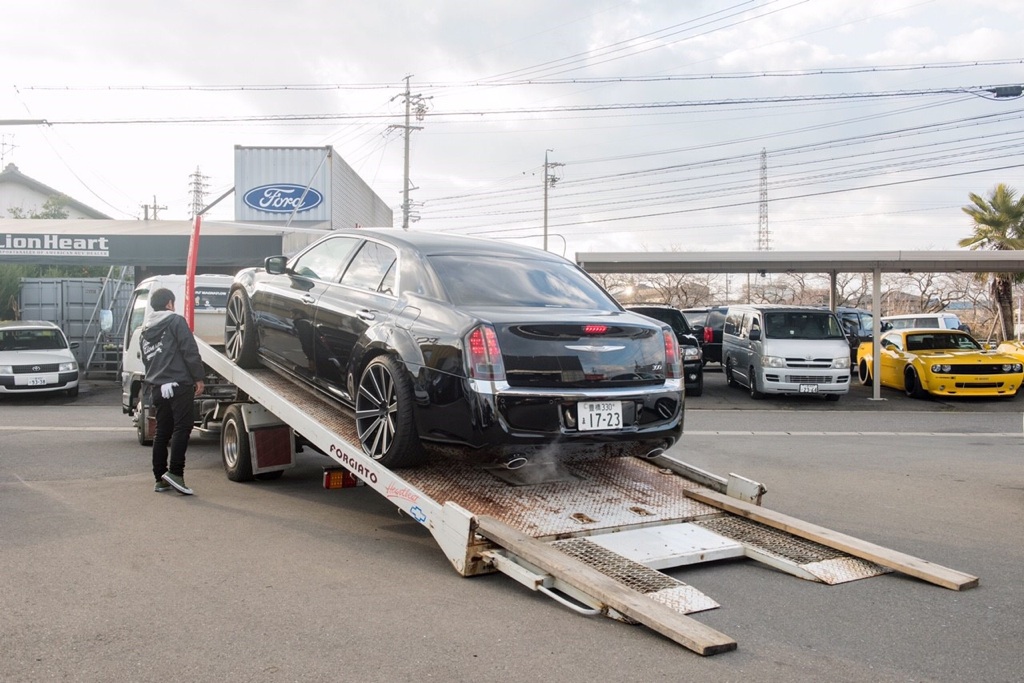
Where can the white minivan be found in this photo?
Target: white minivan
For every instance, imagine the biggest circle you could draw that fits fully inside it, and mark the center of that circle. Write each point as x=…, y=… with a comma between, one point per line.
x=773, y=349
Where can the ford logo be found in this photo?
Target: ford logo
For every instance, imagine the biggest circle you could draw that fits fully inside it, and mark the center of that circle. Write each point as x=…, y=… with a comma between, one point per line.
x=282, y=198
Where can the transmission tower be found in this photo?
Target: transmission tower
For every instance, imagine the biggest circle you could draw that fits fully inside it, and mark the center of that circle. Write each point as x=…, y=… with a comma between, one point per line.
x=764, y=237
x=197, y=188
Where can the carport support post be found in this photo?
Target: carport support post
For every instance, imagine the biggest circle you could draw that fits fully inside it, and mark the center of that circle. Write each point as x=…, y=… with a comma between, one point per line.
x=876, y=333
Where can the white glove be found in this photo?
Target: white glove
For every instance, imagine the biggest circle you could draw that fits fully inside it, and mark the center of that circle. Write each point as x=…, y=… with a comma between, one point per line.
x=167, y=390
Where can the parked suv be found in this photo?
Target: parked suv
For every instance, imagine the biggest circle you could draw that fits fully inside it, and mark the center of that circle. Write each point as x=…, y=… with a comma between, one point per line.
x=786, y=350
x=707, y=323
x=857, y=324
x=693, y=362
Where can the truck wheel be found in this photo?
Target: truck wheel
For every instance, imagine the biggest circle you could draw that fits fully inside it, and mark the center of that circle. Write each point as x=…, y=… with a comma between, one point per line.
x=864, y=373
x=384, y=418
x=234, y=445
x=240, y=331
x=755, y=393
x=140, y=425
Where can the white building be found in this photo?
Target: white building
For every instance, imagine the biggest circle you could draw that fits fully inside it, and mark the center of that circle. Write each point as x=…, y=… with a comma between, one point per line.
x=27, y=196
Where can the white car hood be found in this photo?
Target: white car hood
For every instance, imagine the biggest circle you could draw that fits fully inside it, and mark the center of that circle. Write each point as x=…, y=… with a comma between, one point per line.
x=36, y=357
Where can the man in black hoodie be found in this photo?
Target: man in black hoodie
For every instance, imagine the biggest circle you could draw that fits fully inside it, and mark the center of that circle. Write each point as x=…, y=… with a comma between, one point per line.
x=174, y=375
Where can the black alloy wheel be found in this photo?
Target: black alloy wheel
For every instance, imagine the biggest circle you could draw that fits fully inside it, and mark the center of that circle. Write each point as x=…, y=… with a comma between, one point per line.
x=912, y=385
x=240, y=343
x=384, y=415
x=864, y=374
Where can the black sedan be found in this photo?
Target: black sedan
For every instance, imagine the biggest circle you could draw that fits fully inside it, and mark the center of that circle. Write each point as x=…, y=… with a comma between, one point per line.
x=496, y=350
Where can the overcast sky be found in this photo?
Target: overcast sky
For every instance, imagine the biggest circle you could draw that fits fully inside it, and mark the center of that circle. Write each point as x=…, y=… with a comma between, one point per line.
x=873, y=114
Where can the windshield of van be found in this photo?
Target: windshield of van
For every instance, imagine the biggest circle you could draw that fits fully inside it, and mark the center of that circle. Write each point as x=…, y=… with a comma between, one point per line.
x=802, y=325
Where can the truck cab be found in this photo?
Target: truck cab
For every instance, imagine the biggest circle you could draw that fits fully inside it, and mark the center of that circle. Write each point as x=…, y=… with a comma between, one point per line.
x=211, y=295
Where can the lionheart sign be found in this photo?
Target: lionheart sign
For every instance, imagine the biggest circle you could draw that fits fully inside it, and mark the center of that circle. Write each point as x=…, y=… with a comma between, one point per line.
x=53, y=245
x=283, y=198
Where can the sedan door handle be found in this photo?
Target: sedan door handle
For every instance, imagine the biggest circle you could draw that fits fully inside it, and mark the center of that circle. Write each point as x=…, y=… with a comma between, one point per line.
x=366, y=314
x=308, y=299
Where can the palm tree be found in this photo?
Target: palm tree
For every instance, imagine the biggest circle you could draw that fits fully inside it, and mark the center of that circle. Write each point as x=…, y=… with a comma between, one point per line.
x=999, y=225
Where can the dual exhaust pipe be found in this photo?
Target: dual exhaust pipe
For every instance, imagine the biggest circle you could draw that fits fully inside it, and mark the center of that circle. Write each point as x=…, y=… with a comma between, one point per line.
x=515, y=461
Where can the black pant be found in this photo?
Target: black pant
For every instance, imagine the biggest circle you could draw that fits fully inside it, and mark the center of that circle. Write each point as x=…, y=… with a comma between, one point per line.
x=174, y=421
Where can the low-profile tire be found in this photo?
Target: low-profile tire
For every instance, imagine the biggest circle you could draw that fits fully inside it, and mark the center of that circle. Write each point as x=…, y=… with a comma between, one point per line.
x=234, y=445
x=832, y=397
x=863, y=373
x=755, y=393
x=385, y=422
x=240, y=343
x=912, y=385
x=140, y=425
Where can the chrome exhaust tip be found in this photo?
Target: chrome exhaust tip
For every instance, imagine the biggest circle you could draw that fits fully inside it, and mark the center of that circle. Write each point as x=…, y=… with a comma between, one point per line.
x=516, y=461
x=655, y=452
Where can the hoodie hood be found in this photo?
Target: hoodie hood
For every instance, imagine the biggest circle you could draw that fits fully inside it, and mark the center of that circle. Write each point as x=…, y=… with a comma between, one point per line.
x=156, y=324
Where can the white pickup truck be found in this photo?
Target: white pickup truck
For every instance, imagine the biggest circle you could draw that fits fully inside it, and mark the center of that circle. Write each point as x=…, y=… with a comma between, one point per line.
x=211, y=295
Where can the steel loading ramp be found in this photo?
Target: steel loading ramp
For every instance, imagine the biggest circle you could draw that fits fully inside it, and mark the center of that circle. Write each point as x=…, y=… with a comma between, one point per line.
x=594, y=529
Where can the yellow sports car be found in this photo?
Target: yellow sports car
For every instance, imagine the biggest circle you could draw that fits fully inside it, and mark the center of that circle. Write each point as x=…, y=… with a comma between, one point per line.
x=1012, y=348
x=940, y=362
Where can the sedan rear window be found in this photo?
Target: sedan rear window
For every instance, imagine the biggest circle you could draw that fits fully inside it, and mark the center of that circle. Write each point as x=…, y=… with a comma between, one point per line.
x=492, y=281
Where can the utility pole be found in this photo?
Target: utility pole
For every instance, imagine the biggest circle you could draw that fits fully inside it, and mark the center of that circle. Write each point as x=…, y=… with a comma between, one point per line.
x=197, y=189
x=549, y=180
x=6, y=147
x=156, y=208
x=413, y=104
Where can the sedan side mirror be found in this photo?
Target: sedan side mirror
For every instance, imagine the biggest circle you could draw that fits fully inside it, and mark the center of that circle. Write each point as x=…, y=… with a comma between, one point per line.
x=275, y=265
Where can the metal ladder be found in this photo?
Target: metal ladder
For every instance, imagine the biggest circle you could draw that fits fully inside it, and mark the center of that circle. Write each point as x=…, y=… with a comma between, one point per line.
x=99, y=363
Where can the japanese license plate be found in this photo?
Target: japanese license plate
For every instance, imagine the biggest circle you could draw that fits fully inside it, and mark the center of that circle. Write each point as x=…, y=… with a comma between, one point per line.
x=808, y=388
x=36, y=381
x=593, y=415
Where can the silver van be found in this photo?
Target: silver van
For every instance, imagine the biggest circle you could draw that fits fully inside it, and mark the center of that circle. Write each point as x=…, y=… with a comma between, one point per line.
x=772, y=349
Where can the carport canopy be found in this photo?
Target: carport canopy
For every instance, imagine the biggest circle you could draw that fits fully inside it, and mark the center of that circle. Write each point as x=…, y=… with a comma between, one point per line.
x=825, y=262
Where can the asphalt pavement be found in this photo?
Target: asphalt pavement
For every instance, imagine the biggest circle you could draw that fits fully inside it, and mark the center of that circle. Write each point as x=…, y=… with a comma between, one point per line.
x=102, y=579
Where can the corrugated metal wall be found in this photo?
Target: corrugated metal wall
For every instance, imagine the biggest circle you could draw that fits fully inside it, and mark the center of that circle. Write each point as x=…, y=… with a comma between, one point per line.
x=348, y=201
x=354, y=203
x=71, y=303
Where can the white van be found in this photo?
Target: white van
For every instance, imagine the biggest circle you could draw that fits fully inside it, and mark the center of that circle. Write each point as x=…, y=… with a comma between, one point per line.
x=211, y=297
x=773, y=349
x=932, y=321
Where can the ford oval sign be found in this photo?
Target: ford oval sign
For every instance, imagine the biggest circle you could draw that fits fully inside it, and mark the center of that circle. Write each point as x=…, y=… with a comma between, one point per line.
x=282, y=198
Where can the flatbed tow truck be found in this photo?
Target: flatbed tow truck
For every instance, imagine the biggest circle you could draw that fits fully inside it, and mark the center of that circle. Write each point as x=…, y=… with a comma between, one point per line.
x=592, y=533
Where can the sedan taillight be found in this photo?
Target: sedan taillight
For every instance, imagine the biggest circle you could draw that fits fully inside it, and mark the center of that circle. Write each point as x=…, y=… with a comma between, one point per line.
x=673, y=363
x=484, y=354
